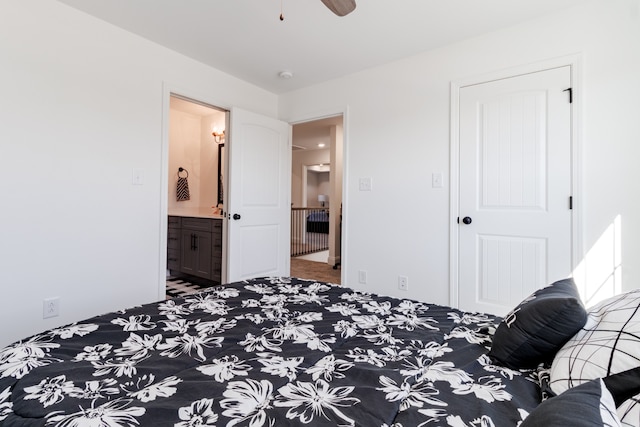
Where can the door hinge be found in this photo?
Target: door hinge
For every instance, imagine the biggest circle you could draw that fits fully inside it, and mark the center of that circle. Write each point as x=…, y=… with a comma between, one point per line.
x=570, y=90
x=570, y=202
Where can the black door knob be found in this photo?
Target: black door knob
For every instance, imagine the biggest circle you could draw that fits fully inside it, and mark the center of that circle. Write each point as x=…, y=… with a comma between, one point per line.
x=236, y=216
x=466, y=220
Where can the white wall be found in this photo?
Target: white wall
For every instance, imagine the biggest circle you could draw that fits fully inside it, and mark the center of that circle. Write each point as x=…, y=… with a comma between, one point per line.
x=192, y=147
x=185, y=145
x=299, y=159
x=317, y=183
x=81, y=106
x=397, y=133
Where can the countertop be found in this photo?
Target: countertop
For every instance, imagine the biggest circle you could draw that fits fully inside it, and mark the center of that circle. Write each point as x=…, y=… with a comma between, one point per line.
x=194, y=213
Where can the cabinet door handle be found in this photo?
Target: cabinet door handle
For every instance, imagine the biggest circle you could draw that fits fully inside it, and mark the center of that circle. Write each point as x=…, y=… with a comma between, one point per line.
x=195, y=242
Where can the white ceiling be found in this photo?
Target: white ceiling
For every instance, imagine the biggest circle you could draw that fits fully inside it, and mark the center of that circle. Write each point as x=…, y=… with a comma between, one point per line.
x=246, y=38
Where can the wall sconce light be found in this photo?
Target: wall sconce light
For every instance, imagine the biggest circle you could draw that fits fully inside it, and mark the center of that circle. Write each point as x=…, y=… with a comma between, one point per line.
x=322, y=198
x=218, y=136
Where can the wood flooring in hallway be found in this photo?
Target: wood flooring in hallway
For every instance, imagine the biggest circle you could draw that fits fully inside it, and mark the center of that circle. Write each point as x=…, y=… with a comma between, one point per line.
x=313, y=270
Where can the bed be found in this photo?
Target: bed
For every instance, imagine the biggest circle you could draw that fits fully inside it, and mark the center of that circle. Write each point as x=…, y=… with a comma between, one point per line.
x=284, y=352
x=318, y=222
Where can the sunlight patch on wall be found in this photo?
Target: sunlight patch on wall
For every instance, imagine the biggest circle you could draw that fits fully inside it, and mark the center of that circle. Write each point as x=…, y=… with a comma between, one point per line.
x=599, y=274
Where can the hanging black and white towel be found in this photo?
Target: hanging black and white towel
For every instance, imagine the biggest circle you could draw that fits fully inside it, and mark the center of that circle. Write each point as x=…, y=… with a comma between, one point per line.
x=182, y=189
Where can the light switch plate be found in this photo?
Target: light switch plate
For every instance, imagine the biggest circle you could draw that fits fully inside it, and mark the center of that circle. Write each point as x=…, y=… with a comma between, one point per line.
x=436, y=180
x=137, y=176
x=365, y=184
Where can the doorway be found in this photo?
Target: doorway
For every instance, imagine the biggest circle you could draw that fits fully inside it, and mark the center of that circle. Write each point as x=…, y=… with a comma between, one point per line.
x=515, y=226
x=316, y=199
x=196, y=135
x=256, y=162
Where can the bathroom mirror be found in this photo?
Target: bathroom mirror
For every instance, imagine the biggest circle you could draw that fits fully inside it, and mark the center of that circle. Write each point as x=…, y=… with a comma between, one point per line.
x=220, y=175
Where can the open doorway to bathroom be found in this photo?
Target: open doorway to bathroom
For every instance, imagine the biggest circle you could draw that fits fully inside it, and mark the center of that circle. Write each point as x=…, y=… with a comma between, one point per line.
x=195, y=197
x=316, y=196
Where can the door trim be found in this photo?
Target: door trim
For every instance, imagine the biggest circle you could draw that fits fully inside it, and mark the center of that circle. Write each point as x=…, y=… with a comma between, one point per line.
x=577, y=232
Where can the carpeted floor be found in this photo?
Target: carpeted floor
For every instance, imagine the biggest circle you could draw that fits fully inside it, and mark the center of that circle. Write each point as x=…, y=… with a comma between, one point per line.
x=321, y=271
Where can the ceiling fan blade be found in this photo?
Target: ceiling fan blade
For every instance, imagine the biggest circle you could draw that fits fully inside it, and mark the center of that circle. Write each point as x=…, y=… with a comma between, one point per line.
x=340, y=7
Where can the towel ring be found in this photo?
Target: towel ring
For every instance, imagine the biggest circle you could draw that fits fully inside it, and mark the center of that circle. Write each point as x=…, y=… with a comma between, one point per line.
x=183, y=170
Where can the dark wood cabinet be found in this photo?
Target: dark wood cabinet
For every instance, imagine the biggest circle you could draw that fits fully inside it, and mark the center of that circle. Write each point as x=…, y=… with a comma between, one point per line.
x=216, y=251
x=195, y=254
x=173, y=243
x=194, y=247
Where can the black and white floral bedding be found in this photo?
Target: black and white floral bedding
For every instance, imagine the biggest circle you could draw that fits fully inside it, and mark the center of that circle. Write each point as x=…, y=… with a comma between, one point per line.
x=266, y=352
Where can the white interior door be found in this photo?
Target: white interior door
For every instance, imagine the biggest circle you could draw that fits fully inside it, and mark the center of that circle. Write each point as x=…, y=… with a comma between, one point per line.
x=515, y=187
x=258, y=197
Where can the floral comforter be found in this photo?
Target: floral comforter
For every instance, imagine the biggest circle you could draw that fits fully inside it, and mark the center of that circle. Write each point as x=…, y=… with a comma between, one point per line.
x=266, y=352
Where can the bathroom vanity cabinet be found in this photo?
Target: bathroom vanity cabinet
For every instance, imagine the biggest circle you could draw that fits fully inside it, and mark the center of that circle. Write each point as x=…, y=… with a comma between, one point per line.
x=194, y=246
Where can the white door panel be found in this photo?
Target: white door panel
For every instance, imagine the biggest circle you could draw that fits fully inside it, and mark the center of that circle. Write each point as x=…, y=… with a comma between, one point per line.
x=258, y=202
x=512, y=143
x=509, y=268
x=259, y=258
x=515, y=184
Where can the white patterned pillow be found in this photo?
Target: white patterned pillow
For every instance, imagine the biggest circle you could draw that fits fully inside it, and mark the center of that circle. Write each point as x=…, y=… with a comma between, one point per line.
x=608, y=343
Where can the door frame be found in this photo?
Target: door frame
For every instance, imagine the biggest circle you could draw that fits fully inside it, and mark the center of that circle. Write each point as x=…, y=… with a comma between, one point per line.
x=577, y=232
x=169, y=89
x=319, y=115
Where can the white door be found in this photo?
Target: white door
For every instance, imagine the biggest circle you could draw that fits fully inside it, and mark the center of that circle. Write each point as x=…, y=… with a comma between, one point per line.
x=258, y=197
x=515, y=188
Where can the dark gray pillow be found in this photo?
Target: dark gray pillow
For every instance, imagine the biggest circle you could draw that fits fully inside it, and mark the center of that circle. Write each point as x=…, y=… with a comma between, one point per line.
x=624, y=385
x=539, y=326
x=588, y=405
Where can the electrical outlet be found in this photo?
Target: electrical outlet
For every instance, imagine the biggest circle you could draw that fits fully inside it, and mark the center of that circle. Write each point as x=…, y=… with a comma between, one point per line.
x=51, y=307
x=403, y=283
x=362, y=277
